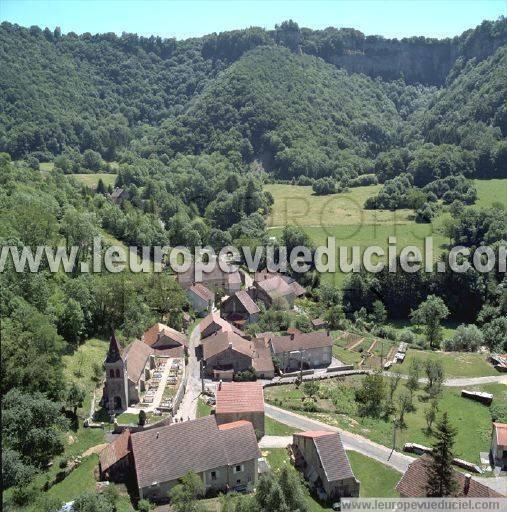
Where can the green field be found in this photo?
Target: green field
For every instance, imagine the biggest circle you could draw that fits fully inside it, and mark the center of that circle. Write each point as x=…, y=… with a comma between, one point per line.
x=78, y=367
x=456, y=364
x=336, y=406
x=368, y=235
x=491, y=191
x=91, y=180
x=298, y=206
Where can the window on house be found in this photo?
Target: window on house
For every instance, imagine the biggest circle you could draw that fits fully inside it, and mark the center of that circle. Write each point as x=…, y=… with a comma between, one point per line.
x=117, y=373
x=238, y=469
x=111, y=374
x=213, y=475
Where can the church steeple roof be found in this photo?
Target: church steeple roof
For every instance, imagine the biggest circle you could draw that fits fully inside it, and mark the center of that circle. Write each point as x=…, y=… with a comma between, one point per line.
x=114, y=352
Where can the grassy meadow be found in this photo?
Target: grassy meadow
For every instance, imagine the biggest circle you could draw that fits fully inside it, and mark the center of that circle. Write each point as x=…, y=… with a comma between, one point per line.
x=491, y=191
x=91, y=180
x=336, y=406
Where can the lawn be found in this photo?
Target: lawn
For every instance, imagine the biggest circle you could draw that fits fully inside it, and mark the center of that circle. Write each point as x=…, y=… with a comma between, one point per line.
x=203, y=409
x=456, y=364
x=80, y=480
x=92, y=179
x=491, y=191
x=377, y=479
x=295, y=205
x=78, y=367
x=275, y=428
x=336, y=406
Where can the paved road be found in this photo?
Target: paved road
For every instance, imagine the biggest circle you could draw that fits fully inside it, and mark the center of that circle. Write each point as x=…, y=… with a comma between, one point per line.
x=188, y=406
x=397, y=460
x=463, y=381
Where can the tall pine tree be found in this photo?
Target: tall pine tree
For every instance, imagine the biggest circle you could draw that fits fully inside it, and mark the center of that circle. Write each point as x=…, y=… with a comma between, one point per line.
x=441, y=479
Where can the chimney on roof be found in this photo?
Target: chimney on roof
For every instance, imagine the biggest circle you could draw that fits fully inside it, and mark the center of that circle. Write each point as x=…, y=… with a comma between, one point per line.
x=468, y=477
x=158, y=433
x=220, y=385
x=291, y=335
x=230, y=344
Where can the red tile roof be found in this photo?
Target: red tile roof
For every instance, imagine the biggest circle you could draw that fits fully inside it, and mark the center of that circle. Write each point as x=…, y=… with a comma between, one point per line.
x=213, y=345
x=238, y=397
x=163, y=335
x=215, y=318
x=275, y=287
x=415, y=480
x=246, y=301
x=115, y=451
x=201, y=291
x=233, y=424
x=501, y=433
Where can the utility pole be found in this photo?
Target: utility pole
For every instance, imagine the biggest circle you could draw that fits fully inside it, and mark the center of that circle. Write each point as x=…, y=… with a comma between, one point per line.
x=394, y=439
x=381, y=354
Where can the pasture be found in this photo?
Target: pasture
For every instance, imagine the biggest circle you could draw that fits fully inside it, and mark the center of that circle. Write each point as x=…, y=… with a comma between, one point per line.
x=91, y=180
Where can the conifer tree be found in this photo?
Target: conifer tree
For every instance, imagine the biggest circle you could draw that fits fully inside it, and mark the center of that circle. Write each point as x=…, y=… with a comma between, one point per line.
x=441, y=479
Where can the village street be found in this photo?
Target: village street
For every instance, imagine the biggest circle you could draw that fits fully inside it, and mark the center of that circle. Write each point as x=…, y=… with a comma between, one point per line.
x=462, y=381
x=188, y=406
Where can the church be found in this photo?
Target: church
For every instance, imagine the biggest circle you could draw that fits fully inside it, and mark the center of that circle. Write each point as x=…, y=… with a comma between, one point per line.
x=128, y=370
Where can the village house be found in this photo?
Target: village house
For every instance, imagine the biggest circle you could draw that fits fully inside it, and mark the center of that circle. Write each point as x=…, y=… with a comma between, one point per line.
x=127, y=371
x=240, y=309
x=201, y=298
x=262, y=275
x=117, y=195
x=320, y=456
x=115, y=460
x=241, y=401
x=165, y=341
x=274, y=290
x=262, y=361
x=226, y=352
x=224, y=456
x=229, y=281
x=499, y=445
x=306, y=350
x=214, y=323
x=414, y=482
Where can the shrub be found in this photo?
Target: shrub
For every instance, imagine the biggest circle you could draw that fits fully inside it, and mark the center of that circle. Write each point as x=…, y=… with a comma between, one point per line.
x=407, y=336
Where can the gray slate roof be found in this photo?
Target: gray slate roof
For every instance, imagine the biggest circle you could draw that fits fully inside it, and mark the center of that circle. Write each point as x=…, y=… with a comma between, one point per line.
x=167, y=453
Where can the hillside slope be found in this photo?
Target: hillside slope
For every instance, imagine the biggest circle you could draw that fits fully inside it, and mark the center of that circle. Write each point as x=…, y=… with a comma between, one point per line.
x=296, y=113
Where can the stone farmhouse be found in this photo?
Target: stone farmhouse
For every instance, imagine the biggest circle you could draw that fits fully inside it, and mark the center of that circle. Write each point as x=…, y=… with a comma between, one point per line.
x=226, y=352
x=499, y=445
x=128, y=370
x=414, y=482
x=320, y=456
x=229, y=281
x=201, y=298
x=309, y=350
x=240, y=309
x=224, y=456
x=241, y=401
x=273, y=289
x=213, y=323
